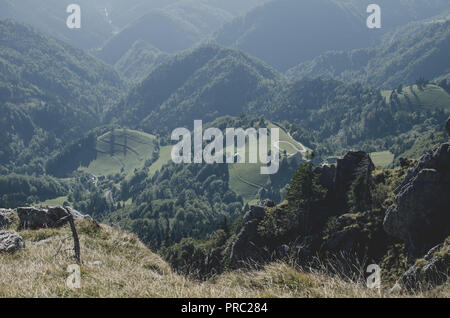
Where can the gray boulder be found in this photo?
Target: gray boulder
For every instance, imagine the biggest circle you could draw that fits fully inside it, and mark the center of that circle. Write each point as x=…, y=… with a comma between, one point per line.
x=75, y=214
x=7, y=212
x=34, y=218
x=420, y=215
x=9, y=242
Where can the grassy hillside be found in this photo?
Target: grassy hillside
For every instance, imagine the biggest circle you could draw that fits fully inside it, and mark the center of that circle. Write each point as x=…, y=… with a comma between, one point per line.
x=117, y=264
x=429, y=96
x=121, y=150
x=163, y=158
x=422, y=143
x=246, y=179
x=383, y=159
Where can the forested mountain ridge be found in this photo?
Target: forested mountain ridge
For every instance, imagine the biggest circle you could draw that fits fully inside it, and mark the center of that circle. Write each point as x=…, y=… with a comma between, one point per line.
x=204, y=83
x=329, y=116
x=418, y=55
x=50, y=92
x=285, y=33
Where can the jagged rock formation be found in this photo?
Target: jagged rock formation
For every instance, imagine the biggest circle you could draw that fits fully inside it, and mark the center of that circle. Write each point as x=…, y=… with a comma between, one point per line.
x=432, y=270
x=338, y=179
x=421, y=214
x=351, y=166
x=10, y=242
x=245, y=247
x=34, y=218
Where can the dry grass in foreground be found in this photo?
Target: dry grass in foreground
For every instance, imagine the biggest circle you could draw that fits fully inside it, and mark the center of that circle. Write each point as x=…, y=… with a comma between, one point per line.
x=117, y=264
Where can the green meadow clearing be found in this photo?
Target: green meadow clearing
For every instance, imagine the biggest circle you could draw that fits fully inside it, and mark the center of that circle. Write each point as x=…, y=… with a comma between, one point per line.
x=430, y=96
x=382, y=159
x=121, y=151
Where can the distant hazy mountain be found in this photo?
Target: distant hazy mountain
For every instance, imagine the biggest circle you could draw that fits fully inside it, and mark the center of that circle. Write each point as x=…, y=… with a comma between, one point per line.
x=102, y=19
x=172, y=29
x=285, y=33
x=124, y=12
x=424, y=54
x=50, y=17
x=50, y=91
x=204, y=83
x=412, y=28
x=236, y=7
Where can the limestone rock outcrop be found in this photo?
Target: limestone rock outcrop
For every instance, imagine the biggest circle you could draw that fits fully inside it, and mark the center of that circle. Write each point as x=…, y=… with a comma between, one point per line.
x=36, y=218
x=420, y=215
x=9, y=242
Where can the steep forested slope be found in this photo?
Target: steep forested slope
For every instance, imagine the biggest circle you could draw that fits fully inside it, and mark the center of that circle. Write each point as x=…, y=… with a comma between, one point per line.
x=50, y=91
x=140, y=60
x=402, y=61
